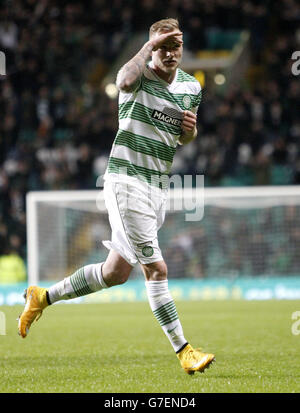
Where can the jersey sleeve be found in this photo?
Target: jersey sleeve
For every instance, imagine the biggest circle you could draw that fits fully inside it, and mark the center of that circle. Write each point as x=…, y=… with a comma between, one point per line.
x=196, y=100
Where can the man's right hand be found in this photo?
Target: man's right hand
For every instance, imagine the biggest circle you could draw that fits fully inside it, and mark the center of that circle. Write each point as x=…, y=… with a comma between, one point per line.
x=170, y=37
x=129, y=76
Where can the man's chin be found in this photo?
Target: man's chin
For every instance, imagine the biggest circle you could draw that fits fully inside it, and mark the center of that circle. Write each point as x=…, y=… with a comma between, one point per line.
x=170, y=67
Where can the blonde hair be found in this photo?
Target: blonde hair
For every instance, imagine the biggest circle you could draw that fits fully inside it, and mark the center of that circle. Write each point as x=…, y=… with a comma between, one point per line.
x=164, y=25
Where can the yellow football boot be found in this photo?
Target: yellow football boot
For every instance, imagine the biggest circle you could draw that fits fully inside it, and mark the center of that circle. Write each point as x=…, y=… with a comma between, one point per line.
x=35, y=302
x=192, y=360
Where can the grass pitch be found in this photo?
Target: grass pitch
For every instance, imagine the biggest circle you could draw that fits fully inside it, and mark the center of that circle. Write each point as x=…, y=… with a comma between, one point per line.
x=120, y=348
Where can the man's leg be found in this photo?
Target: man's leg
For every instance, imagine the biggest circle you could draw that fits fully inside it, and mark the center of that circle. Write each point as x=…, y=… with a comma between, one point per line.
x=164, y=309
x=162, y=304
x=88, y=279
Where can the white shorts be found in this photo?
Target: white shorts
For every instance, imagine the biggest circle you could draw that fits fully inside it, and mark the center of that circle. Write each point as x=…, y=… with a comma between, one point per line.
x=136, y=213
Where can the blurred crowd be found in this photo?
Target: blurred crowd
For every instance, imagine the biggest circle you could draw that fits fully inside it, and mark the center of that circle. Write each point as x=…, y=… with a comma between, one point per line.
x=57, y=123
x=234, y=242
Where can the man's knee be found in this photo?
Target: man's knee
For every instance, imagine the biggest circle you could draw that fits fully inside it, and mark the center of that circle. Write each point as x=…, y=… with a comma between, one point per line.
x=115, y=271
x=156, y=271
x=115, y=277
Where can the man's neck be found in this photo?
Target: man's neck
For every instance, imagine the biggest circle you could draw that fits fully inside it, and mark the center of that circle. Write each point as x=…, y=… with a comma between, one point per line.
x=167, y=77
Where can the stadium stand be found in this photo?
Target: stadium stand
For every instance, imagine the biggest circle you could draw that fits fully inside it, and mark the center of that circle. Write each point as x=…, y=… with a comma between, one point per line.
x=57, y=123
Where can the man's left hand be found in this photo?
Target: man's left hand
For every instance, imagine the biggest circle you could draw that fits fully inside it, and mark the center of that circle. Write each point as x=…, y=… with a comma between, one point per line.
x=189, y=121
x=188, y=126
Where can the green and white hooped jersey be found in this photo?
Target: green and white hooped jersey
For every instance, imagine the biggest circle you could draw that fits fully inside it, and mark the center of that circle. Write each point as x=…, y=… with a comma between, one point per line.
x=150, y=126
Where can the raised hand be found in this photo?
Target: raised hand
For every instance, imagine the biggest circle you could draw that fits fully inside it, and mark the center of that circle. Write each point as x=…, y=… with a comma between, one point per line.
x=169, y=37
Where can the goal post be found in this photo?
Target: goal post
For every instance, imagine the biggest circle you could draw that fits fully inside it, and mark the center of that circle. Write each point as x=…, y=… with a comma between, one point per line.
x=240, y=231
x=38, y=224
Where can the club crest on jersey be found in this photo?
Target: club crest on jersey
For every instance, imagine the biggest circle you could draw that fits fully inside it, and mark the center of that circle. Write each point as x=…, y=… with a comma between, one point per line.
x=170, y=116
x=186, y=101
x=148, y=251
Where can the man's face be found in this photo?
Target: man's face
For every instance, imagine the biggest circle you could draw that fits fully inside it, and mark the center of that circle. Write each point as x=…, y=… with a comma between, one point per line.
x=168, y=56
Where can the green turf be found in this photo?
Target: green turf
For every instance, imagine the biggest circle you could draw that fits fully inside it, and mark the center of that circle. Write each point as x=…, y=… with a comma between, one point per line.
x=121, y=348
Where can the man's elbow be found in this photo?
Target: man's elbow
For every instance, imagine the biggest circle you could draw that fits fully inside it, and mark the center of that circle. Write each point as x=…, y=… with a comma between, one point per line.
x=125, y=86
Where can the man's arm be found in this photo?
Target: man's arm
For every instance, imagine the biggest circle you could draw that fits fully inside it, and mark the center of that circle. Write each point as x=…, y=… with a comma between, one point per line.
x=130, y=74
x=189, y=127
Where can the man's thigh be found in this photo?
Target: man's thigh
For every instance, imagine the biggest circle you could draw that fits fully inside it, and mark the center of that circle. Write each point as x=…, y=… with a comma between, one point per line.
x=134, y=222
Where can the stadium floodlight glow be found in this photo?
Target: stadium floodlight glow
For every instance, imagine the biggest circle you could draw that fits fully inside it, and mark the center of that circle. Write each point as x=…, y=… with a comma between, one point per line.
x=200, y=76
x=111, y=90
x=220, y=79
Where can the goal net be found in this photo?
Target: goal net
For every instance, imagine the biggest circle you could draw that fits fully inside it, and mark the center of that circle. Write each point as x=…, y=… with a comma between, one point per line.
x=243, y=231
